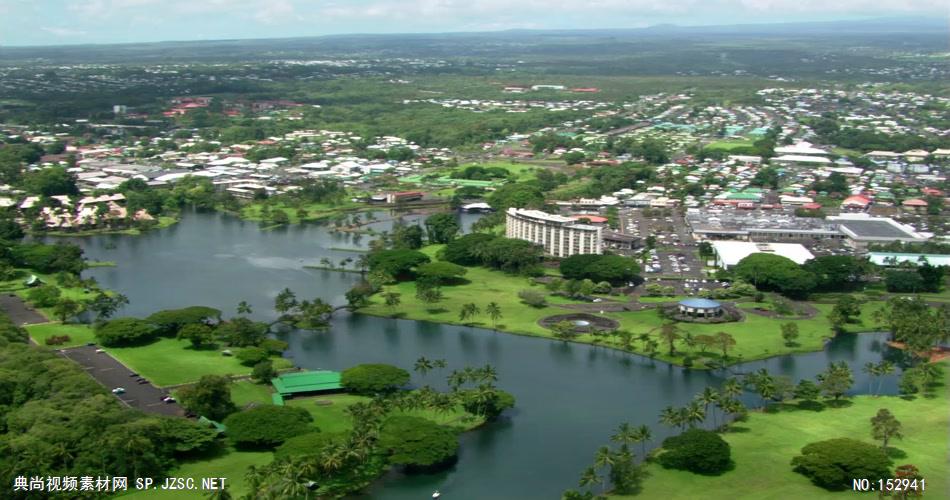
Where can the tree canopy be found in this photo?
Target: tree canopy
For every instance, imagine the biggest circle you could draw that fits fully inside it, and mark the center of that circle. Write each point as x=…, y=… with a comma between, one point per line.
x=696, y=450
x=267, y=426
x=374, y=378
x=775, y=273
x=832, y=464
x=399, y=263
x=125, y=332
x=613, y=269
x=416, y=442
x=442, y=227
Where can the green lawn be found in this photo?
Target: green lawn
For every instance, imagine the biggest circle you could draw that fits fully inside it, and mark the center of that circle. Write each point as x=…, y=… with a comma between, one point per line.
x=729, y=144
x=329, y=418
x=756, y=336
x=230, y=465
x=315, y=211
x=172, y=362
x=333, y=417
x=763, y=446
x=78, y=334
x=244, y=392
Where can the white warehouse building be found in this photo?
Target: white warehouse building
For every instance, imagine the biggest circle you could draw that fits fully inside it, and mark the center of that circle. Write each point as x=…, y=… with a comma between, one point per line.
x=729, y=253
x=560, y=236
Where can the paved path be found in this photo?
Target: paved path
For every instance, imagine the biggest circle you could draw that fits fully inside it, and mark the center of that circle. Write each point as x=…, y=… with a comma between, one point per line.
x=20, y=312
x=111, y=374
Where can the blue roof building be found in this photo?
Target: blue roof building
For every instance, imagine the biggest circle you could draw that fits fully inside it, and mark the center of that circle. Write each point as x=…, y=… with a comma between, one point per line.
x=702, y=308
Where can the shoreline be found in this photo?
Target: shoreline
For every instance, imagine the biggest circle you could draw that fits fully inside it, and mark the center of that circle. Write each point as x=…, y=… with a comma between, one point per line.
x=665, y=359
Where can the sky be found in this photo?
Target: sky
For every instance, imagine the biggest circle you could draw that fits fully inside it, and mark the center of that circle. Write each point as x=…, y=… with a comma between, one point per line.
x=60, y=22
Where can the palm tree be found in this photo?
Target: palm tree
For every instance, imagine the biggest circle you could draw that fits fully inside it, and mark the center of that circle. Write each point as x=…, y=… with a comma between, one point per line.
x=468, y=311
x=669, y=333
x=440, y=364
x=494, y=312
x=732, y=388
x=643, y=435
x=423, y=365
x=669, y=417
x=884, y=368
x=707, y=397
x=488, y=373
x=589, y=477
x=602, y=459
x=243, y=307
x=695, y=413
x=871, y=369
x=624, y=434
x=456, y=380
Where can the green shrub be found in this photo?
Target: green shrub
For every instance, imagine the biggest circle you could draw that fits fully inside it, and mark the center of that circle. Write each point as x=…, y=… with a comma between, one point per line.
x=417, y=443
x=250, y=356
x=696, y=450
x=57, y=340
x=832, y=464
x=267, y=426
x=124, y=332
x=44, y=295
x=373, y=378
x=309, y=444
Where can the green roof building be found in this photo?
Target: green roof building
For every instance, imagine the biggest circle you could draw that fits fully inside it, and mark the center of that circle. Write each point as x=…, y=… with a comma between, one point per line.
x=307, y=382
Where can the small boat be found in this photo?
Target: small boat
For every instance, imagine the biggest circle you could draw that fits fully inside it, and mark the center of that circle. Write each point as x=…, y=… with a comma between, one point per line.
x=436, y=494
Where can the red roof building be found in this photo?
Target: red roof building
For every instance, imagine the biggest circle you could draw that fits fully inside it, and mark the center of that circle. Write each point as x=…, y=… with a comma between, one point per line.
x=856, y=201
x=914, y=203
x=594, y=219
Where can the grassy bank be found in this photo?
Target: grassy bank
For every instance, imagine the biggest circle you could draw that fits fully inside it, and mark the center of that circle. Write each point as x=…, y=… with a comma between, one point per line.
x=314, y=211
x=763, y=447
x=329, y=415
x=78, y=334
x=756, y=336
x=171, y=362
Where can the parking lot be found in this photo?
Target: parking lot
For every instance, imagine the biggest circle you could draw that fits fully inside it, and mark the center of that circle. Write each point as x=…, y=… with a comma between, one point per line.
x=112, y=374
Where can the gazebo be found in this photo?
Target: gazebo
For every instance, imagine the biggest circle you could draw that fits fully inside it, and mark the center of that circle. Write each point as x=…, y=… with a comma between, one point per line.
x=700, y=308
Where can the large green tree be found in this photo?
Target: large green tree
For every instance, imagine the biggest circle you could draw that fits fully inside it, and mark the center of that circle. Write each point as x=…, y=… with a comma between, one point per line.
x=442, y=227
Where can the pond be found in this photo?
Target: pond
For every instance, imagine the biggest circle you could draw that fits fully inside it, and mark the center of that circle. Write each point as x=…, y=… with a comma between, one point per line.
x=570, y=397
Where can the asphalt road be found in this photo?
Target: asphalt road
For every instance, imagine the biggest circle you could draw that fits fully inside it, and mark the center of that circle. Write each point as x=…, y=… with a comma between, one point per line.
x=19, y=312
x=110, y=373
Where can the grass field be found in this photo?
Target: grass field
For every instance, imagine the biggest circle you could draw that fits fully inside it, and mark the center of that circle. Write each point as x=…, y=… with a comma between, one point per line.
x=763, y=447
x=328, y=418
x=756, y=336
x=78, y=334
x=230, y=465
x=172, y=362
x=244, y=392
x=333, y=417
x=729, y=144
x=315, y=211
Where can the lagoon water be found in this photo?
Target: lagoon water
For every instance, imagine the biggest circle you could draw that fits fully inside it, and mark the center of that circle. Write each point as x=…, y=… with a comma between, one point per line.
x=569, y=397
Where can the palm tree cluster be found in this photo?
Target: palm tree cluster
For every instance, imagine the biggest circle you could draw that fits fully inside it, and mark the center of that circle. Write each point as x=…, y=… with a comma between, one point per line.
x=724, y=402
x=621, y=467
x=471, y=310
x=351, y=463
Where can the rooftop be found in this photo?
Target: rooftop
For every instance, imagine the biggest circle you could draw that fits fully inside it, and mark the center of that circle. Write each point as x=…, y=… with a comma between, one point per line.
x=315, y=381
x=700, y=303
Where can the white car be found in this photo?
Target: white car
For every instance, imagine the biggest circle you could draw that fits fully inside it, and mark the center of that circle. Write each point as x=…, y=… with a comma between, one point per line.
x=118, y=390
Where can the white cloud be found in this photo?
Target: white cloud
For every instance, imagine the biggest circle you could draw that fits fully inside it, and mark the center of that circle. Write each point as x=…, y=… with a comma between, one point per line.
x=63, y=32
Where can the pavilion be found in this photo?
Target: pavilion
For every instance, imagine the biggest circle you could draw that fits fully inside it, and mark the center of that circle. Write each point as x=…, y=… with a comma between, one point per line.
x=700, y=308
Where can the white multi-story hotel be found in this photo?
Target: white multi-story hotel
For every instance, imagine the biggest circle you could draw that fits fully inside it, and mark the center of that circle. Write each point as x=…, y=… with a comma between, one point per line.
x=560, y=236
